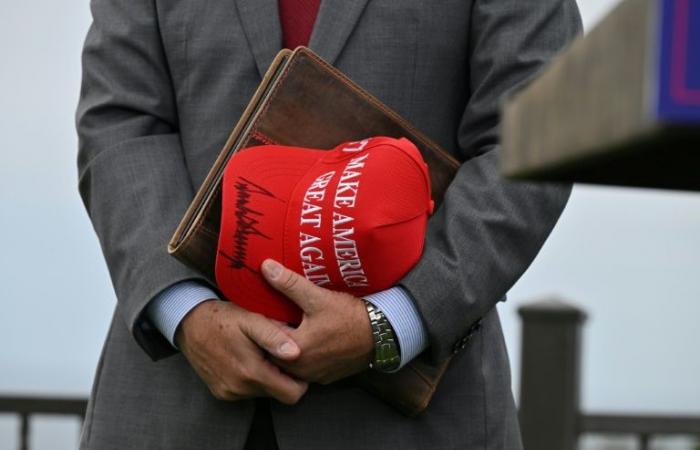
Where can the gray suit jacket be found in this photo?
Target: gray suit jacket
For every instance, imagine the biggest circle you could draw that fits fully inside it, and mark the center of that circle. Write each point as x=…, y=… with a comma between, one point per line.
x=163, y=84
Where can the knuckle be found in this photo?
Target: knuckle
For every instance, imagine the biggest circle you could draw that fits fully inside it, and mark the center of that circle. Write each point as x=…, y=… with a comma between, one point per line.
x=292, y=398
x=246, y=374
x=251, y=326
x=270, y=331
x=219, y=392
x=291, y=280
x=215, y=393
x=270, y=338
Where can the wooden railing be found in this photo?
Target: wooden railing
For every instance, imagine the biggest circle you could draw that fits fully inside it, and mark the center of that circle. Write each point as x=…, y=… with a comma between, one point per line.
x=26, y=407
x=550, y=414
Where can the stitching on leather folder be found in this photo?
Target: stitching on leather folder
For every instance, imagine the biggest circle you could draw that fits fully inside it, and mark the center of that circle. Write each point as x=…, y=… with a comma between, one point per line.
x=262, y=138
x=420, y=375
x=273, y=93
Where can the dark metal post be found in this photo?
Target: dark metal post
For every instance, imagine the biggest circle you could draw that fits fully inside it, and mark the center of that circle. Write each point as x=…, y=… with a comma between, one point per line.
x=644, y=442
x=549, y=381
x=24, y=432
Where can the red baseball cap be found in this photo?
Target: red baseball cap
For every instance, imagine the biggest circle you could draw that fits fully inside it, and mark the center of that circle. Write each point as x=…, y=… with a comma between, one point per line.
x=350, y=219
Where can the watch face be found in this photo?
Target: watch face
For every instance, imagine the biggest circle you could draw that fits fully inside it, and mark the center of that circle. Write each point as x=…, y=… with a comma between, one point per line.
x=387, y=356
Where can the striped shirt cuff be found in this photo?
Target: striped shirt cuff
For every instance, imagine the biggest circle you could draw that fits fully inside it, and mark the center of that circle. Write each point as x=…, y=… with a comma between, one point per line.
x=399, y=310
x=168, y=308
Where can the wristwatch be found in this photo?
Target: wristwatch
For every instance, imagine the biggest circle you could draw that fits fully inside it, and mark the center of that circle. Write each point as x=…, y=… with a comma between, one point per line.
x=387, y=355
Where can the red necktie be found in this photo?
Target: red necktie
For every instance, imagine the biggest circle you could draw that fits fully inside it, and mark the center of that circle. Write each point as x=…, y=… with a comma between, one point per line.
x=297, y=18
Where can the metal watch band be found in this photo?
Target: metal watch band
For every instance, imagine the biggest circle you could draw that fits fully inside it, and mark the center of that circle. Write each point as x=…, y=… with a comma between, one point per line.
x=386, y=349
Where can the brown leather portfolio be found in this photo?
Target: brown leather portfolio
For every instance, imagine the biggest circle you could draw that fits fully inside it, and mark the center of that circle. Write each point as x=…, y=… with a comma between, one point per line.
x=303, y=101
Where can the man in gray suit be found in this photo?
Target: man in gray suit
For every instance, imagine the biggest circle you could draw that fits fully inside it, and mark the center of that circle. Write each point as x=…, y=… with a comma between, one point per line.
x=163, y=83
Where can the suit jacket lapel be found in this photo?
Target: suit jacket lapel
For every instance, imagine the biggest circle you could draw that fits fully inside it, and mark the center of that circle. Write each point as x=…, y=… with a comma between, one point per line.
x=261, y=25
x=336, y=20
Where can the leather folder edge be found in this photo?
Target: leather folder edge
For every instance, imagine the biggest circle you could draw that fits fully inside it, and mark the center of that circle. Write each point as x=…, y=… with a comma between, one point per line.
x=202, y=198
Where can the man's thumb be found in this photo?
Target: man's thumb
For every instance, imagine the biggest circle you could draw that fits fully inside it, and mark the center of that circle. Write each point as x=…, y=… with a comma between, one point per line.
x=292, y=285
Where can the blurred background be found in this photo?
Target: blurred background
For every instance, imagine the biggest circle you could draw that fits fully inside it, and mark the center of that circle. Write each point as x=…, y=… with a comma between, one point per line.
x=628, y=257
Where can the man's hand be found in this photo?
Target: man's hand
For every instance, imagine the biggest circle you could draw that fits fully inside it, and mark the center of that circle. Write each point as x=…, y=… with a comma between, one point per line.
x=335, y=336
x=226, y=345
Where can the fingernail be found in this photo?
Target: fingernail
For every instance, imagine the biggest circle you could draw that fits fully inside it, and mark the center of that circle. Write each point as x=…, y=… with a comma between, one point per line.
x=272, y=268
x=287, y=348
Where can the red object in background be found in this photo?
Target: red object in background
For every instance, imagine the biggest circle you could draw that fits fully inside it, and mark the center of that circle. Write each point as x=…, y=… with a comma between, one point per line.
x=297, y=18
x=351, y=219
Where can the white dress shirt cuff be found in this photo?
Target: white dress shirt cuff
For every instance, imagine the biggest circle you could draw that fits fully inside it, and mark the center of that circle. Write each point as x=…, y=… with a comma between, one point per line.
x=399, y=310
x=168, y=308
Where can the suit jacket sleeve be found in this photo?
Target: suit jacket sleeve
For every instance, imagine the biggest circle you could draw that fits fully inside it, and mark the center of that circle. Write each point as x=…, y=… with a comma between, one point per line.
x=132, y=175
x=488, y=230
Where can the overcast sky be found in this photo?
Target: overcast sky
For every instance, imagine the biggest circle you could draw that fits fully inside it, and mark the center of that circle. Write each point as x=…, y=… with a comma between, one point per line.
x=630, y=257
